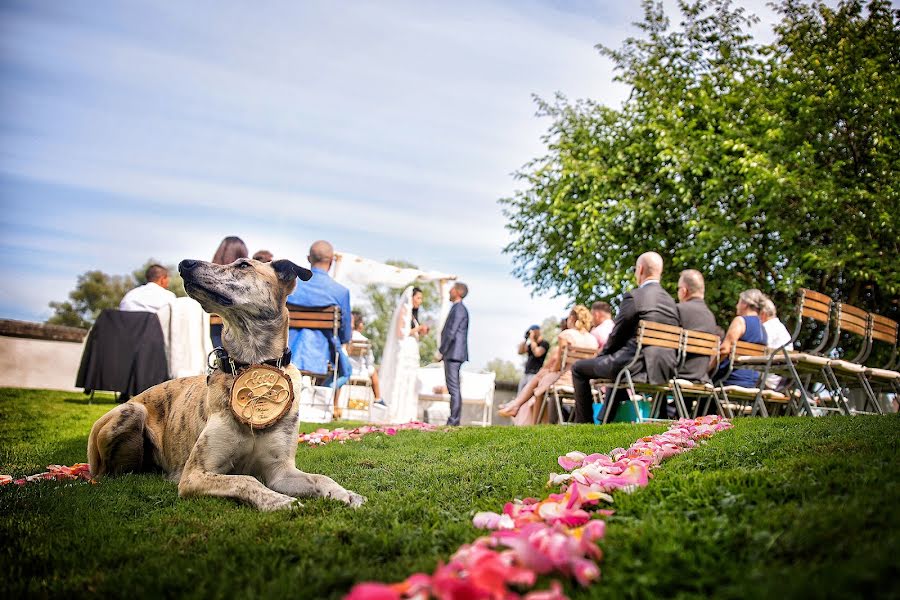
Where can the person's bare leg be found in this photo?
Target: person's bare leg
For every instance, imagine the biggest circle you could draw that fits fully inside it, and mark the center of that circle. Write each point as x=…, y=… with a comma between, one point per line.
x=376, y=386
x=511, y=408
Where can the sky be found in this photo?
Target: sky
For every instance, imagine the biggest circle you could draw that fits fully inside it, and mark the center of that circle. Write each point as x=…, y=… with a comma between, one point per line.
x=138, y=129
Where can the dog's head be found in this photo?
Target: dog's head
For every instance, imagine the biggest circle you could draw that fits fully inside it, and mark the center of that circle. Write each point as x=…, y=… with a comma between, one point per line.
x=246, y=288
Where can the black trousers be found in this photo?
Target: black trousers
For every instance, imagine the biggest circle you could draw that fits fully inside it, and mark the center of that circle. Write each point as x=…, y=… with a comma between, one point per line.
x=601, y=367
x=451, y=378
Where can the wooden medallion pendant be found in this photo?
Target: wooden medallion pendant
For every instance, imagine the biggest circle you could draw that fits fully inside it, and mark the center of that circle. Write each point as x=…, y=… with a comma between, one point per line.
x=261, y=395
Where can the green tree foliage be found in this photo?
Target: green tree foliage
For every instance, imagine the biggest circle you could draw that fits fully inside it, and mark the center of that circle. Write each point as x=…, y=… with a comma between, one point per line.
x=761, y=166
x=505, y=370
x=96, y=291
x=378, y=304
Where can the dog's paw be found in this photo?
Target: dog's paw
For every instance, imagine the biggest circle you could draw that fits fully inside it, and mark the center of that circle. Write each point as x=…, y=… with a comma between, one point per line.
x=354, y=500
x=279, y=502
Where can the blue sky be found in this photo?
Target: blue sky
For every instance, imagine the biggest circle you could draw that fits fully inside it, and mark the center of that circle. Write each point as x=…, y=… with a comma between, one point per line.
x=131, y=130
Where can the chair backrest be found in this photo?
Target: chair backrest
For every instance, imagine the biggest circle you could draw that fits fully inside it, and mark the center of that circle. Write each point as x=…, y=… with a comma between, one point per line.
x=855, y=321
x=575, y=353
x=660, y=335
x=748, y=349
x=304, y=317
x=883, y=330
x=698, y=342
x=816, y=308
x=359, y=348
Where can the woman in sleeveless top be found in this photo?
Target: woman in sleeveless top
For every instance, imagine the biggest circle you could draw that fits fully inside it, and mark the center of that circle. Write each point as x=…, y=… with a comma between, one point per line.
x=746, y=327
x=525, y=408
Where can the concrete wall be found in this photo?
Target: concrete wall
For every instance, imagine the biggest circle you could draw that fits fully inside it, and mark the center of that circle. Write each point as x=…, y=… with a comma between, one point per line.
x=41, y=364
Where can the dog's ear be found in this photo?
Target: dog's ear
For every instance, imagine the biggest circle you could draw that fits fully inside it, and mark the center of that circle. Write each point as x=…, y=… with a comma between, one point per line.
x=288, y=271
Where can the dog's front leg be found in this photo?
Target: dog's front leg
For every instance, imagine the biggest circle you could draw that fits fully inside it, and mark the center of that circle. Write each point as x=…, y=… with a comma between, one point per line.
x=211, y=458
x=294, y=482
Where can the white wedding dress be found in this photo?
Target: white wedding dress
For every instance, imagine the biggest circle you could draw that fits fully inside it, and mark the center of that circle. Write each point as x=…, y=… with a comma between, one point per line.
x=400, y=365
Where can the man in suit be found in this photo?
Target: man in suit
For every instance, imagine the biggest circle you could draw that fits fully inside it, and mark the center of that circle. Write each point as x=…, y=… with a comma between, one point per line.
x=695, y=315
x=454, y=349
x=650, y=302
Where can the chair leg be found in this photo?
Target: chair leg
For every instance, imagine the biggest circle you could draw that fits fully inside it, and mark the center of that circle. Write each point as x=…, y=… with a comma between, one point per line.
x=559, y=413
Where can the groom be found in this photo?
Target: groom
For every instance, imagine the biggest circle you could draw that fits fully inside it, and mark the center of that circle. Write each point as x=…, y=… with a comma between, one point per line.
x=454, y=350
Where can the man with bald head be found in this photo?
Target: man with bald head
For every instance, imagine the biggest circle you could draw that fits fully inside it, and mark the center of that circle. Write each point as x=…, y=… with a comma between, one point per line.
x=313, y=350
x=649, y=302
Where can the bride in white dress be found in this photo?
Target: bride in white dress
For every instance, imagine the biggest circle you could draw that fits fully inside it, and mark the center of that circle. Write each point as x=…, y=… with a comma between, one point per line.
x=400, y=361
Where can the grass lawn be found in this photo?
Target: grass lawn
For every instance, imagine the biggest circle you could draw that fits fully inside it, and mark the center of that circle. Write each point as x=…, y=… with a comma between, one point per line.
x=793, y=508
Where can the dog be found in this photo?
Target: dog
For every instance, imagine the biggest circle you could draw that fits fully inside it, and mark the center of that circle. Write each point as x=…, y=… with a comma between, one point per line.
x=186, y=428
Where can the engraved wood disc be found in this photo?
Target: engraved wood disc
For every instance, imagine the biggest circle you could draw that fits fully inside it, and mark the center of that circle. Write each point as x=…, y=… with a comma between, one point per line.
x=261, y=395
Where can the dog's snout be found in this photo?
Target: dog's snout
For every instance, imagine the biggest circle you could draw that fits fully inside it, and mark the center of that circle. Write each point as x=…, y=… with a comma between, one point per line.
x=186, y=265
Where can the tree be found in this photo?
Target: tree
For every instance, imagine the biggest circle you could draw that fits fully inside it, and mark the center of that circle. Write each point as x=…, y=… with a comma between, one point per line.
x=378, y=304
x=505, y=370
x=708, y=163
x=96, y=291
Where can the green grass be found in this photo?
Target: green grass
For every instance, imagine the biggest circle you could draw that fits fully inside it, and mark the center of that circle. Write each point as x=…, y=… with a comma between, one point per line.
x=789, y=507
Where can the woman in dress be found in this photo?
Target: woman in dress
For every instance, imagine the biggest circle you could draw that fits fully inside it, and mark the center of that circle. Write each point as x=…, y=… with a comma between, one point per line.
x=577, y=332
x=746, y=327
x=400, y=361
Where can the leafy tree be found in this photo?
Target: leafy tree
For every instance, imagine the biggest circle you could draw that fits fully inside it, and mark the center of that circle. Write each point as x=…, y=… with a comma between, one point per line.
x=737, y=159
x=505, y=370
x=96, y=291
x=380, y=301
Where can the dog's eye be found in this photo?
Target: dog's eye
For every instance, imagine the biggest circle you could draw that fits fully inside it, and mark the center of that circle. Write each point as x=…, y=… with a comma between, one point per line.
x=243, y=265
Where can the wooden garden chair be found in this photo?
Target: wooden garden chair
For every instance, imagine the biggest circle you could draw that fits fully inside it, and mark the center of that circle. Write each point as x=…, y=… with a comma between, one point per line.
x=752, y=400
x=649, y=335
x=883, y=333
x=360, y=350
x=851, y=373
x=698, y=343
x=563, y=391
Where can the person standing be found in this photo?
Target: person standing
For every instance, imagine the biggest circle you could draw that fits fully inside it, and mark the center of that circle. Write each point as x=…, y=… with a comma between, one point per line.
x=601, y=312
x=536, y=347
x=400, y=359
x=151, y=296
x=454, y=348
x=649, y=301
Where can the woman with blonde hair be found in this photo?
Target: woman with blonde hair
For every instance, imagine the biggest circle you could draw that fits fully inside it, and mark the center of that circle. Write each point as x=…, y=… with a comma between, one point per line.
x=525, y=408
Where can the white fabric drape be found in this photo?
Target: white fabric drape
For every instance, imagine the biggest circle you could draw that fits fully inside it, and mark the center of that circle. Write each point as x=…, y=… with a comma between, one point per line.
x=352, y=269
x=185, y=328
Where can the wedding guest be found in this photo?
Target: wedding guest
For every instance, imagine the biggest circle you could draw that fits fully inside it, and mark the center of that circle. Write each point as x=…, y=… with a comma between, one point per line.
x=745, y=327
x=364, y=364
x=151, y=296
x=229, y=250
x=536, y=347
x=649, y=301
x=454, y=348
x=263, y=256
x=603, y=322
x=778, y=337
x=313, y=350
x=525, y=408
x=696, y=316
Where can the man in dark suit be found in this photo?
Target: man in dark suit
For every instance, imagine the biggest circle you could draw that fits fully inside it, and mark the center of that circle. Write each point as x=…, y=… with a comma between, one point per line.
x=650, y=302
x=695, y=315
x=454, y=349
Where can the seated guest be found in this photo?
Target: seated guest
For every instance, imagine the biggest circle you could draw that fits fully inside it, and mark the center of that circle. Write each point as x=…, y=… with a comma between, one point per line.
x=313, y=350
x=230, y=249
x=696, y=316
x=746, y=327
x=364, y=366
x=650, y=302
x=263, y=256
x=536, y=347
x=777, y=334
x=603, y=322
x=527, y=404
x=151, y=296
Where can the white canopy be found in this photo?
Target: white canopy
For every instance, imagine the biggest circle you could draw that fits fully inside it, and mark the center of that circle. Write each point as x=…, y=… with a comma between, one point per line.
x=349, y=268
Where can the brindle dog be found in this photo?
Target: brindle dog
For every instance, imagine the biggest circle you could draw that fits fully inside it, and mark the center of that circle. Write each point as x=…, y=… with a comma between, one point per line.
x=185, y=427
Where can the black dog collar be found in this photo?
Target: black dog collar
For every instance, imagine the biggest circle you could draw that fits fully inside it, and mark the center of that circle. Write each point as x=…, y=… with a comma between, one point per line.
x=226, y=364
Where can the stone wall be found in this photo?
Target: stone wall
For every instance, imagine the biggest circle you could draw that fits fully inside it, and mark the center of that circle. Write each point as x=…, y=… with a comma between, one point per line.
x=34, y=355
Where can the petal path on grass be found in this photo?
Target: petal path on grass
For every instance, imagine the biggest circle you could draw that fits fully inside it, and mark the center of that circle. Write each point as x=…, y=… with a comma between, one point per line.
x=554, y=536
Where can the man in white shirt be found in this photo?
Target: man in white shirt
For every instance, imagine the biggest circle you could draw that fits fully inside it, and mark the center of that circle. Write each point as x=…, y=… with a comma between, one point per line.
x=776, y=334
x=151, y=296
x=603, y=322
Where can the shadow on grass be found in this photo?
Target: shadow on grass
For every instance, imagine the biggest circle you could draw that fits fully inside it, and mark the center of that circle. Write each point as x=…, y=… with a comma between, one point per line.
x=86, y=400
